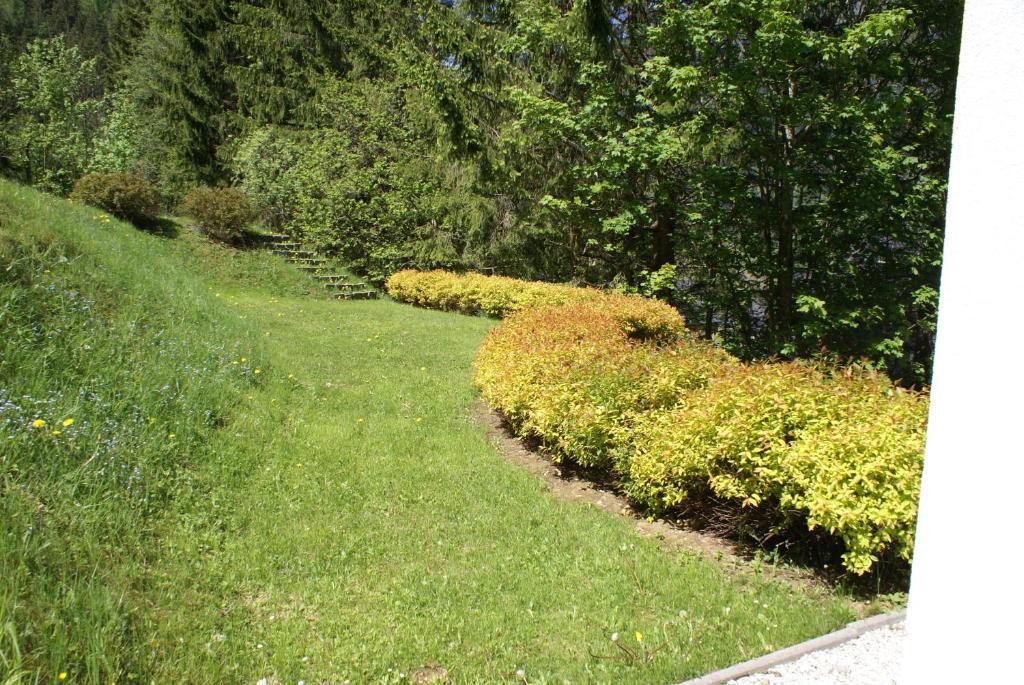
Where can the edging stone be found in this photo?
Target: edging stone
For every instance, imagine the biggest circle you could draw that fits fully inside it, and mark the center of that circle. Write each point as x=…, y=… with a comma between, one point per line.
x=782, y=656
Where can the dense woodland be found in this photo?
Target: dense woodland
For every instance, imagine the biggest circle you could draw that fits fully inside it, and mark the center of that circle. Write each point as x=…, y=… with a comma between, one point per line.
x=775, y=169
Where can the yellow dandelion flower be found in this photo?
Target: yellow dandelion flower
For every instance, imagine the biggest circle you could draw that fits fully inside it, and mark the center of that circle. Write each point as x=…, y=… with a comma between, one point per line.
x=63, y=675
x=418, y=419
x=170, y=436
x=56, y=433
x=291, y=375
x=67, y=422
x=38, y=423
x=257, y=371
x=639, y=636
x=359, y=420
x=244, y=360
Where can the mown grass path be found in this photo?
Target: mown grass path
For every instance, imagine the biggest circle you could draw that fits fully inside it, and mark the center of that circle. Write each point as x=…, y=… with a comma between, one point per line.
x=351, y=523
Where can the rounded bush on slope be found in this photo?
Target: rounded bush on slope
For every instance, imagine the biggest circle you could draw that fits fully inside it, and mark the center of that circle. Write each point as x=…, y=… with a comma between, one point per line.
x=222, y=213
x=124, y=195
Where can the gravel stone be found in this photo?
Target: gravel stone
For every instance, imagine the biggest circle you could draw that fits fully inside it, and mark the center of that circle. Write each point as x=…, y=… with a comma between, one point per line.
x=872, y=659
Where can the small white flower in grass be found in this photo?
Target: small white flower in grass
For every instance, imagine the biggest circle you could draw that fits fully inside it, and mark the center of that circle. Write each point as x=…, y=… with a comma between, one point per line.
x=615, y=637
x=726, y=610
x=261, y=681
x=520, y=673
x=259, y=645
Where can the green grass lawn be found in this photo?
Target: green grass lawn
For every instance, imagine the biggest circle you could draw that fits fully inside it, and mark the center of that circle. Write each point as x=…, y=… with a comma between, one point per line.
x=336, y=516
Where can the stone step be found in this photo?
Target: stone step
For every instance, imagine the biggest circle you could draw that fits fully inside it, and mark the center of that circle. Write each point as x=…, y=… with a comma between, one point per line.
x=358, y=295
x=344, y=286
x=307, y=260
x=274, y=236
x=331, y=277
x=285, y=246
x=310, y=267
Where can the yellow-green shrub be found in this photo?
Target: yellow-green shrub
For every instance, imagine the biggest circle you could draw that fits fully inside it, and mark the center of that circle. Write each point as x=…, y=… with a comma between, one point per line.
x=570, y=375
x=859, y=476
x=677, y=422
x=499, y=297
x=841, y=454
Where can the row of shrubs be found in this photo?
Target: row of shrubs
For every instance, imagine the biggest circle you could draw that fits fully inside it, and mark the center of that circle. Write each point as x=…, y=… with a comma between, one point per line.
x=682, y=425
x=498, y=296
x=222, y=213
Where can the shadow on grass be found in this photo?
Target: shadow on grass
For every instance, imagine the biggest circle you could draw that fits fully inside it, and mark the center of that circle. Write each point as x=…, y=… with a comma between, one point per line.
x=160, y=226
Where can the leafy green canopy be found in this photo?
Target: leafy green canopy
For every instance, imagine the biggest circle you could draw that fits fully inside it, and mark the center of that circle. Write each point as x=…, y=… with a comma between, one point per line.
x=775, y=169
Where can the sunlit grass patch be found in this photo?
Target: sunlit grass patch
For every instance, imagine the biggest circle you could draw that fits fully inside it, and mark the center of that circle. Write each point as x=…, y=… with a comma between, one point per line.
x=259, y=485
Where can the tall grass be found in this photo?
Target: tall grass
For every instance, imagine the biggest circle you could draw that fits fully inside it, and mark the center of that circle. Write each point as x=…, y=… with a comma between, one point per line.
x=116, y=364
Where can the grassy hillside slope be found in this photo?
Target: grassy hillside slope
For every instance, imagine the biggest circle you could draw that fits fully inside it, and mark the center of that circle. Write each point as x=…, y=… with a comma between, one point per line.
x=257, y=484
x=116, y=366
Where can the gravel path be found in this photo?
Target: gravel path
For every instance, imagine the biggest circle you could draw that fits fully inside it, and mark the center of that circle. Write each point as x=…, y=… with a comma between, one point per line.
x=871, y=659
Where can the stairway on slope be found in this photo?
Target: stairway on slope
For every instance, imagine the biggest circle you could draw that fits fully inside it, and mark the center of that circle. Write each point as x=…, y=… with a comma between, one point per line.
x=343, y=286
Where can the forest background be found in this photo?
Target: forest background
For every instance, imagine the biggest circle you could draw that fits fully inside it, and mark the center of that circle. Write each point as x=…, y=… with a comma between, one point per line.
x=776, y=169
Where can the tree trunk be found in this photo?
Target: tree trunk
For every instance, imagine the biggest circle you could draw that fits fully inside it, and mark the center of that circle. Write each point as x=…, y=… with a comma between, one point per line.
x=784, y=265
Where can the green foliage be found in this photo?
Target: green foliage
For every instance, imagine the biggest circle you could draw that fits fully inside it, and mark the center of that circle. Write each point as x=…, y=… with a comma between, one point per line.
x=785, y=445
x=363, y=183
x=222, y=213
x=264, y=164
x=124, y=141
x=124, y=195
x=782, y=106
x=47, y=135
x=737, y=159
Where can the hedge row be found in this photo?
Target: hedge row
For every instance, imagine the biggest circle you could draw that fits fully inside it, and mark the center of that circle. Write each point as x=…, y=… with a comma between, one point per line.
x=499, y=296
x=615, y=383
x=683, y=423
